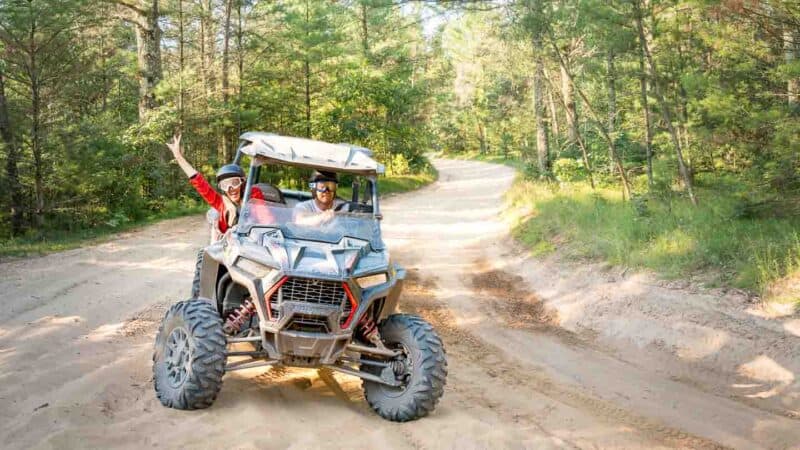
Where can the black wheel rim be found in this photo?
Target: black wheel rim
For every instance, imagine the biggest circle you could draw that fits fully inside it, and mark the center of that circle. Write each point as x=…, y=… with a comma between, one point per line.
x=178, y=357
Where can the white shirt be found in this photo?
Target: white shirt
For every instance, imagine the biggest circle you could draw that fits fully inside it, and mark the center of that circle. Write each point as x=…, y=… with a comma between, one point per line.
x=310, y=206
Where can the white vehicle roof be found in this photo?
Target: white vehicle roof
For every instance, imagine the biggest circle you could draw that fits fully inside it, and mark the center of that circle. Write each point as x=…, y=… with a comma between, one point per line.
x=272, y=148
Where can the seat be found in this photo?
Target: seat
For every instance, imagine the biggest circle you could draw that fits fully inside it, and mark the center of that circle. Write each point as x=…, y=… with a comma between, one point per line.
x=271, y=193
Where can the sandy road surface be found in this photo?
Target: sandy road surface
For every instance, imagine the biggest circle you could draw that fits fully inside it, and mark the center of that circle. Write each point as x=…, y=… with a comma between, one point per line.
x=76, y=332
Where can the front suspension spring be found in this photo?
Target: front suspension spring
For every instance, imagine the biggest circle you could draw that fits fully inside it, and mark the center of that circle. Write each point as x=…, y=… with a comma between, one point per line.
x=368, y=329
x=237, y=318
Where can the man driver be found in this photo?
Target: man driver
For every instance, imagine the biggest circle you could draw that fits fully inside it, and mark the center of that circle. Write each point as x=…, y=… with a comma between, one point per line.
x=323, y=195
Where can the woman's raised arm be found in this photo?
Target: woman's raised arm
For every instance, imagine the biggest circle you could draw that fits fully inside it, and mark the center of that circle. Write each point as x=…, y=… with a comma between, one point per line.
x=177, y=152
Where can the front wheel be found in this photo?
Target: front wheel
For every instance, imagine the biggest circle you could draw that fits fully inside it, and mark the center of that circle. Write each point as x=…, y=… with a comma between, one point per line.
x=422, y=370
x=196, y=280
x=189, y=356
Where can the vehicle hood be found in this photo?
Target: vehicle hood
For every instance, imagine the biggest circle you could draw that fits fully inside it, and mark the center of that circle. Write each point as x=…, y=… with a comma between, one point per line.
x=347, y=258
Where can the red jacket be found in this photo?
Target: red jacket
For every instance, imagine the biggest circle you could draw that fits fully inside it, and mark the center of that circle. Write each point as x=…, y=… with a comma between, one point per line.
x=214, y=198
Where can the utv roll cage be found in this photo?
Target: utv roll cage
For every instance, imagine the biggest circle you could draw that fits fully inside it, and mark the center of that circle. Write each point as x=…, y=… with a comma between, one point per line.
x=264, y=148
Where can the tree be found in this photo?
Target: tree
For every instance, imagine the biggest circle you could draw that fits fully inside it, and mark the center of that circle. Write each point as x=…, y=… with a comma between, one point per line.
x=40, y=50
x=665, y=111
x=144, y=15
x=12, y=160
x=536, y=12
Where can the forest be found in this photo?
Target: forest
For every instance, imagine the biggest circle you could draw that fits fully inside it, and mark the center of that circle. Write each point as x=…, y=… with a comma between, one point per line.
x=652, y=133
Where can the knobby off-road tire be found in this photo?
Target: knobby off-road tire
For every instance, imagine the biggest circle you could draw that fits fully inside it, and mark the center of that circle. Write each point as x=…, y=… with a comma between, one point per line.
x=196, y=281
x=189, y=356
x=426, y=377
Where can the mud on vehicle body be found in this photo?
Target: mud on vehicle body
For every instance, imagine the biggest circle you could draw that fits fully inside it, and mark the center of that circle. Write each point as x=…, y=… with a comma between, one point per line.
x=301, y=291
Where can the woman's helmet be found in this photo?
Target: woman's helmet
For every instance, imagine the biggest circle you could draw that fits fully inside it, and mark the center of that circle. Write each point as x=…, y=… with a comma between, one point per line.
x=229, y=171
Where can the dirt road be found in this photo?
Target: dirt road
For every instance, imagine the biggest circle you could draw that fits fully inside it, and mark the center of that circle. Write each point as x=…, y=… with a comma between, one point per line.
x=76, y=331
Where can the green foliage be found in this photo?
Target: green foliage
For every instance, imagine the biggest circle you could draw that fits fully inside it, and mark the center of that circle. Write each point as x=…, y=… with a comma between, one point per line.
x=672, y=237
x=45, y=241
x=568, y=169
x=337, y=71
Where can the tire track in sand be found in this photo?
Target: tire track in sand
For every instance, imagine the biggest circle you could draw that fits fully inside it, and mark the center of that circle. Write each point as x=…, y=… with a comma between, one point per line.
x=420, y=299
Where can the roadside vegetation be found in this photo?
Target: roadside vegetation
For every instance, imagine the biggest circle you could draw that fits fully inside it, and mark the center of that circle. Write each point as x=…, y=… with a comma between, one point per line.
x=667, y=234
x=719, y=243
x=657, y=134
x=57, y=240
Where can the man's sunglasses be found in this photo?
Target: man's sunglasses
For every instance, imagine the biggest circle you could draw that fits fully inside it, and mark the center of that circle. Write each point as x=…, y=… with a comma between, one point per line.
x=230, y=183
x=323, y=186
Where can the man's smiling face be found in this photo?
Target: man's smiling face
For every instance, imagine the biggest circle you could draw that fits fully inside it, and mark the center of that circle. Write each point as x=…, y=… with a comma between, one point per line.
x=326, y=192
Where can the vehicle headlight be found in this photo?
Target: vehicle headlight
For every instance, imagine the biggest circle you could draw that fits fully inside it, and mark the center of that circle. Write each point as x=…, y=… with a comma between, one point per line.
x=259, y=270
x=372, y=280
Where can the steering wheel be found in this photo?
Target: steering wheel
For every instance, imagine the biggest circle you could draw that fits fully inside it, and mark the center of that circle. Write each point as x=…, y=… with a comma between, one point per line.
x=341, y=206
x=354, y=207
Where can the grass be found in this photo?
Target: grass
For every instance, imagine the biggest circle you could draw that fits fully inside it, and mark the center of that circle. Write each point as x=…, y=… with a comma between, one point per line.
x=667, y=235
x=393, y=184
x=59, y=240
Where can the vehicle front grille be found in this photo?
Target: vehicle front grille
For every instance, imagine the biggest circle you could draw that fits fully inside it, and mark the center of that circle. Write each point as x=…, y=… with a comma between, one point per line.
x=309, y=324
x=307, y=290
x=313, y=291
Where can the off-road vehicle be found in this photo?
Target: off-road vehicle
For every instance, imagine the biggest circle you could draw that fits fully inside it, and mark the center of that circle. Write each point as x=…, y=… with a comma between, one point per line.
x=301, y=290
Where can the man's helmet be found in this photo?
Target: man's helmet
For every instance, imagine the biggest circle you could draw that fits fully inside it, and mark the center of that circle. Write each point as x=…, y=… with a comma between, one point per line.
x=229, y=171
x=319, y=175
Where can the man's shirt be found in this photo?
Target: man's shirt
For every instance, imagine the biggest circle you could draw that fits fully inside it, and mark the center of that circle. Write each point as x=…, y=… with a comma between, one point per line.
x=310, y=206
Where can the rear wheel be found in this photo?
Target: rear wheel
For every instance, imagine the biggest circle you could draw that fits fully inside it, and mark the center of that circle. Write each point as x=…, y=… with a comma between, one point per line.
x=422, y=370
x=189, y=356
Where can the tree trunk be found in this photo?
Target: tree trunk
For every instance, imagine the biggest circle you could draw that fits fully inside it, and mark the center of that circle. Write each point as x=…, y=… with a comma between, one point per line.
x=181, y=65
x=240, y=61
x=682, y=168
x=584, y=152
x=648, y=128
x=542, y=156
x=612, y=106
x=207, y=47
x=307, y=76
x=12, y=160
x=568, y=93
x=203, y=66
x=626, y=187
x=791, y=46
x=226, y=39
x=104, y=66
x=553, y=113
x=35, y=137
x=148, y=45
x=482, y=137
x=364, y=29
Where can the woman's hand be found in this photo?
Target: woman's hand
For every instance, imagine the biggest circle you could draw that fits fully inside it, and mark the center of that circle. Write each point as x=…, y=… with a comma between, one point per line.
x=175, y=148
